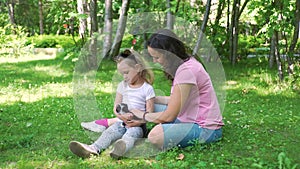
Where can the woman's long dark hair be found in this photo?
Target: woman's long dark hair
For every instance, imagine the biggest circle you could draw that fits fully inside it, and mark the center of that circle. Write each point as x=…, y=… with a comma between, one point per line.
x=174, y=50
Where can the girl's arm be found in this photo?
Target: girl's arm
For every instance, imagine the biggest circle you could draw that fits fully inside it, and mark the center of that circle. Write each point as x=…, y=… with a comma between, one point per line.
x=118, y=100
x=177, y=100
x=150, y=105
x=162, y=99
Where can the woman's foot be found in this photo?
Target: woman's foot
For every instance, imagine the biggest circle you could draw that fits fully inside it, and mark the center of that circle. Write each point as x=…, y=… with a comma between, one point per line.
x=93, y=126
x=119, y=149
x=82, y=150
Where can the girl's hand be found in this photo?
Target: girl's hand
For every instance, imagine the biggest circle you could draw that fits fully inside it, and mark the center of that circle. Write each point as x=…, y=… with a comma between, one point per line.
x=133, y=123
x=138, y=113
x=125, y=117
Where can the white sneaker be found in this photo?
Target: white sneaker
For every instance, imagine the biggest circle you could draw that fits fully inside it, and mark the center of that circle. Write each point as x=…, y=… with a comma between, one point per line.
x=82, y=150
x=118, y=150
x=93, y=126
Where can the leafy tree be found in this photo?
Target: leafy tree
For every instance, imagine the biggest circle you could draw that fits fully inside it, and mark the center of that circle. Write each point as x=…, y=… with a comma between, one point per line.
x=276, y=19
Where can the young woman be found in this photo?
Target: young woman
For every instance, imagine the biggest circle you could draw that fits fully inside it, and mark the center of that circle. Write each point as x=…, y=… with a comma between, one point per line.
x=135, y=91
x=193, y=112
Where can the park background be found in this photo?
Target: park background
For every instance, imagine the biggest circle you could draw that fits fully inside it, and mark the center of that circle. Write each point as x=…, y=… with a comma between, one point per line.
x=43, y=40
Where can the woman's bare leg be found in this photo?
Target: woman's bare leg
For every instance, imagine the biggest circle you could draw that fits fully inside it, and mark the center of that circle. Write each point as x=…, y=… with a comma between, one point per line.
x=156, y=136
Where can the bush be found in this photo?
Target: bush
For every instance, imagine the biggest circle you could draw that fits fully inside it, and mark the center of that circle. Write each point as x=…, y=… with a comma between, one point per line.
x=12, y=40
x=51, y=41
x=249, y=44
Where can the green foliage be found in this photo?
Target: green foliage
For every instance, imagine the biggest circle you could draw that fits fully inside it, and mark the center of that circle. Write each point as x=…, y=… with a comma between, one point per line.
x=12, y=40
x=280, y=16
x=26, y=15
x=51, y=41
x=251, y=44
x=3, y=19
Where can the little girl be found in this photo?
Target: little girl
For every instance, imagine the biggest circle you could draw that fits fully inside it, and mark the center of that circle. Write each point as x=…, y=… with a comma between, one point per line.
x=135, y=91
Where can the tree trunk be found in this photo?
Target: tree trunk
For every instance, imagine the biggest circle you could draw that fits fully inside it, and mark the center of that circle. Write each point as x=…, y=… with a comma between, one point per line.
x=233, y=40
x=231, y=32
x=107, y=28
x=92, y=60
x=272, y=51
x=41, y=17
x=121, y=28
x=228, y=17
x=92, y=57
x=81, y=8
x=93, y=16
x=203, y=27
x=235, y=32
x=220, y=9
x=170, y=19
x=243, y=7
x=11, y=13
x=278, y=59
x=294, y=38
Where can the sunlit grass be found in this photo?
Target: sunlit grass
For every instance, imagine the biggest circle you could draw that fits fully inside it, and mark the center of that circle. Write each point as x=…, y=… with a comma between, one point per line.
x=12, y=94
x=54, y=70
x=26, y=57
x=38, y=119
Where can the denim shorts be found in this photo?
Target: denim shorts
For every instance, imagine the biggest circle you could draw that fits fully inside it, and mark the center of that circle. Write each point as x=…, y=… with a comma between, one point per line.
x=187, y=134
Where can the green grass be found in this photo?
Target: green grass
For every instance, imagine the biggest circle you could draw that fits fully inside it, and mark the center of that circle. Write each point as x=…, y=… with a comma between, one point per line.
x=38, y=120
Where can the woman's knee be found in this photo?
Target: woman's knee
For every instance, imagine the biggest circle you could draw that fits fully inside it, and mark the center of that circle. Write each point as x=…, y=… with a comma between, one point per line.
x=156, y=135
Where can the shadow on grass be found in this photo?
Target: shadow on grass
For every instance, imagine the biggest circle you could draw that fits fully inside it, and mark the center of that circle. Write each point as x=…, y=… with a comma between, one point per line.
x=258, y=127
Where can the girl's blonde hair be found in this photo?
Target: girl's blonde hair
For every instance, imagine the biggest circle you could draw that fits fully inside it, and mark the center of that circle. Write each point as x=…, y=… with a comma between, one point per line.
x=132, y=58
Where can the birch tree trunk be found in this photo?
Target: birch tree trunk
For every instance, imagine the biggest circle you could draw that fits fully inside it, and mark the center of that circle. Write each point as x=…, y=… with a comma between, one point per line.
x=11, y=13
x=81, y=8
x=272, y=51
x=41, y=17
x=121, y=28
x=203, y=27
x=278, y=59
x=107, y=28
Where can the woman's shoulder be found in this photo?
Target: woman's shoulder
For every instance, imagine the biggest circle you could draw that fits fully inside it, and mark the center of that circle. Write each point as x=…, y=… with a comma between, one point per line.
x=191, y=65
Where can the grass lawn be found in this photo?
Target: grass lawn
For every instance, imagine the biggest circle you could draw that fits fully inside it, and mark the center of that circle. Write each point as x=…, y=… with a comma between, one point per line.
x=38, y=119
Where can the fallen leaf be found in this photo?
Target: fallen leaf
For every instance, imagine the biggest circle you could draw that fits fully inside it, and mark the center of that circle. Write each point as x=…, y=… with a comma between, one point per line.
x=180, y=157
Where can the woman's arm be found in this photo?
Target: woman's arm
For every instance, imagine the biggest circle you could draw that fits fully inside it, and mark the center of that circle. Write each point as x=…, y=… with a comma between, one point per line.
x=177, y=99
x=149, y=108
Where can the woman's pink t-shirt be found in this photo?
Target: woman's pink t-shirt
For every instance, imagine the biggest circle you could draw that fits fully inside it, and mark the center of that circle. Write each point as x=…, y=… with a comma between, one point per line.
x=202, y=106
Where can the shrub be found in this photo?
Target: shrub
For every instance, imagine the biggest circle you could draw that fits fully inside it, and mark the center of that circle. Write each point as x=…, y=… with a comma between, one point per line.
x=51, y=41
x=250, y=44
